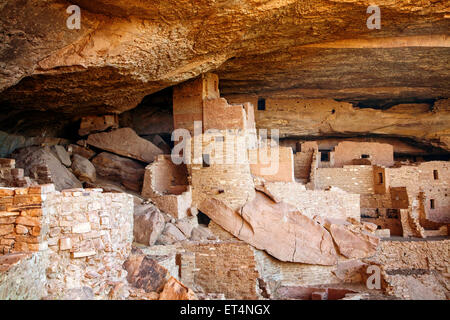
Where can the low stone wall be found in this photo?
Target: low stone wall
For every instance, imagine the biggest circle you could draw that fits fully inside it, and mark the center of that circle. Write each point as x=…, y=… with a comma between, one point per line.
x=225, y=267
x=86, y=235
x=333, y=203
x=22, y=276
x=418, y=254
x=90, y=237
x=23, y=227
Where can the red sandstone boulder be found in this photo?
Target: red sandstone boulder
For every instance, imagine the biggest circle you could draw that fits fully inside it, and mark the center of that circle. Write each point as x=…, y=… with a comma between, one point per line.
x=128, y=172
x=175, y=290
x=146, y=273
x=125, y=142
x=352, y=242
x=148, y=226
x=353, y=245
x=277, y=228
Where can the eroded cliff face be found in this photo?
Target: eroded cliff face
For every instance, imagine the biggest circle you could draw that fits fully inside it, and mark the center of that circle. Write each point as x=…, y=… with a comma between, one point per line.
x=126, y=50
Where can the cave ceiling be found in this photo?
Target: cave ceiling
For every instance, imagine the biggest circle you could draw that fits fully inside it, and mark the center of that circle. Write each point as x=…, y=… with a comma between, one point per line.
x=126, y=50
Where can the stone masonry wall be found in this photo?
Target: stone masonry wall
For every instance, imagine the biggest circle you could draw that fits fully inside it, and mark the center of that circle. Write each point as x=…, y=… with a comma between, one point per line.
x=379, y=153
x=23, y=276
x=354, y=179
x=227, y=267
x=423, y=179
x=85, y=234
x=227, y=176
x=23, y=226
x=214, y=267
x=167, y=185
x=90, y=237
x=333, y=203
x=272, y=168
x=429, y=255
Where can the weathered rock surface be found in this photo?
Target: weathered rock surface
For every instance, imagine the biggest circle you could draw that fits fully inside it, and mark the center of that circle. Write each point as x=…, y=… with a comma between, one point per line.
x=83, y=169
x=33, y=157
x=296, y=117
x=128, y=172
x=92, y=124
x=277, y=228
x=82, y=151
x=11, y=142
x=186, y=225
x=128, y=49
x=125, y=142
x=202, y=233
x=171, y=235
x=148, y=226
x=145, y=273
x=352, y=244
x=175, y=290
x=61, y=153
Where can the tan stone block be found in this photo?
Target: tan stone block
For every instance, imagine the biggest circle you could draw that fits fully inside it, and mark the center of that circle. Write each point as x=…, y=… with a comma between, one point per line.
x=7, y=220
x=20, y=229
x=4, y=192
x=37, y=212
x=26, y=239
x=6, y=228
x=20, y=247
x=82, y=254
x=53, y=241
x=65, y=244
x=7, y=242
x=8, y=214
x=36, y=231
x=21, y=191
x=27, y=199
x=81, y=228
x=28, y=221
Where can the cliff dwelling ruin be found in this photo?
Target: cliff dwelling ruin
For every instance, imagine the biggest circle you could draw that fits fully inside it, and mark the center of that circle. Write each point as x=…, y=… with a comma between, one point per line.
x=224, y=151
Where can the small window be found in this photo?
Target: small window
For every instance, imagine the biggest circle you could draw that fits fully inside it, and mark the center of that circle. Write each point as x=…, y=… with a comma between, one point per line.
x=261, y=104
x=380, y=177
x=206, y=160
x=365, y=156
x=435, y=174
x=432, y=204
x=219, y=139
x=325, y=155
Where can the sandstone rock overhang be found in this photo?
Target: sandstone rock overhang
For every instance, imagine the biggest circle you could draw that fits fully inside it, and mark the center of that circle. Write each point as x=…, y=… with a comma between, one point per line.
x=132, y=48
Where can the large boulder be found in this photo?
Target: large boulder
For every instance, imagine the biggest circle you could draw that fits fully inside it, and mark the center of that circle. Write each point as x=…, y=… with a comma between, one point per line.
x=34, y=158
x=61, y=153
x=175, y=290
x=352, y=243
x=171, y=235
x=80, y=150
x=125, y=142
x=83, y=169
x=277, y=228
x=128, y=172
x=146, y=273
x=148, y=226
